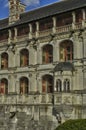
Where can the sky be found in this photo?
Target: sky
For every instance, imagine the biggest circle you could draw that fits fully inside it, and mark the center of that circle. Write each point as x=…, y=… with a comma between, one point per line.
x=30, y=5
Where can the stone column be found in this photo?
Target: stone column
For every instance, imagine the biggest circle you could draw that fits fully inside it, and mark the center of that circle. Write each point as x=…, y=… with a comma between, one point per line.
x=30, y=32
x=15, y=37
x=74, y=20
x=37, y=29
x=83, y=14
x=10, y=36
x=54, y=24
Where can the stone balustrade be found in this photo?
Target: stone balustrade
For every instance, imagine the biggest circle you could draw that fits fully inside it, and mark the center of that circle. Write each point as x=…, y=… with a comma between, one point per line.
x=58, y=98
x=65, y=28
x=45, y=32
x=78, y=25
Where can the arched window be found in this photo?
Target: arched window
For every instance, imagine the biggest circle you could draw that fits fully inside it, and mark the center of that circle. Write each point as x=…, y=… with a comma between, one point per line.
x=4, y=60
x=47, y=54
x=58, y=85
x=24, y=57
x=24, y=85
x=66, y=50
x=47, y=83
x=66, y=85
x=4, y=86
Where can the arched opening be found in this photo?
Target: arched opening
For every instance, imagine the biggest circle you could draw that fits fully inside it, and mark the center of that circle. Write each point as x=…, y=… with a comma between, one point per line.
x=47, y=84
x=66, y=51
x=59, y=85
x=4, y=60
x=47, y=54
x=66, y=85
x=24, y=57
x=4, y=86
x=24, y=85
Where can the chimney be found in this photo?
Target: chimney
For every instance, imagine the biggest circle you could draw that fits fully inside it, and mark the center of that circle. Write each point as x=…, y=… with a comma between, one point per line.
x=15, y=9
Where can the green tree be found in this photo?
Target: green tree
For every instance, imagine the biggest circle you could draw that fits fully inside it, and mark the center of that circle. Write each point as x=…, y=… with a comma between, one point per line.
x=79, y=124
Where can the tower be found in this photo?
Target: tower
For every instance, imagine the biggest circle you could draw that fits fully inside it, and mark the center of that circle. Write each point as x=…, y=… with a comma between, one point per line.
x=15, y=8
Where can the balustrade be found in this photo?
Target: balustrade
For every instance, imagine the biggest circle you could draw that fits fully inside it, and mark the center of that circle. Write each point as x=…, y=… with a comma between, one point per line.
x=58, y=98
x=45, y=32
x=65, y=28
x=78, y=25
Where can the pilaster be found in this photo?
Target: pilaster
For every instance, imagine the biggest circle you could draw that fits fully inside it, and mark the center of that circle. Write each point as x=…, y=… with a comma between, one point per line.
x=37, y=29
x=15, y=37
x=74, y=20
x=83, y=14
x=56, y=51
x=17, y=59
x=39, y=55
x=54, y=24
x=30, y=32
x=10, y=36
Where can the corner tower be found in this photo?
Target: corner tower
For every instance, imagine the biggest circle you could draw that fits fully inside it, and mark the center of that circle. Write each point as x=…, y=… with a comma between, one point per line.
x=15, y=8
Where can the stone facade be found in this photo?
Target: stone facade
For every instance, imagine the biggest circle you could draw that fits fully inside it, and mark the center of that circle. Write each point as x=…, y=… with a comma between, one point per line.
x=56, y=89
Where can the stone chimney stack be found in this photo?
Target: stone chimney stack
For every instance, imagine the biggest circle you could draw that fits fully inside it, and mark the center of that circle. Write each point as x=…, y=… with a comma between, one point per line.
x=15, y=9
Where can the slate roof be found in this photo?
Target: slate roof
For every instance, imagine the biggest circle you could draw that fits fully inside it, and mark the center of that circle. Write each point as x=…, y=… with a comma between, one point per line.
x=53, y=9
x=3, y=23
x=64, y=66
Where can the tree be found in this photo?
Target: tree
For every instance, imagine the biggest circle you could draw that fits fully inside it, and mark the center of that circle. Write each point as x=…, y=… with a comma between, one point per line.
x=79, y=124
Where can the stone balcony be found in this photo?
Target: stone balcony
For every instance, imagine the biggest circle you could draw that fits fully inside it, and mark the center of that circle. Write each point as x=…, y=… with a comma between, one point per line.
x=34, y=99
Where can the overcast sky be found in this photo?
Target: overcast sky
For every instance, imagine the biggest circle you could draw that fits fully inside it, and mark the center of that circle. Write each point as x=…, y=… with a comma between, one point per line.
x=31, y=4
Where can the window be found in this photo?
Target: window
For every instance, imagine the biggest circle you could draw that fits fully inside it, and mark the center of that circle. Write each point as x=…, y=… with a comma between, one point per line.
x=24, y=56
x=23, y=85
x=66, y=51
x=47, y=83
x=66, y=85
x=58, y=85
x=4, y=60
x=4, y=86
x=47, y=56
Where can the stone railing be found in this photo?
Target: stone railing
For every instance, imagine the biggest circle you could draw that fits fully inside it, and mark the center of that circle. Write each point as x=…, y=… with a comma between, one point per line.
x=70, y=99
x=22, y=38
x=3, y=42
x=65, y=28
x=78, y=25
x=58, y=98
x=45, y=32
